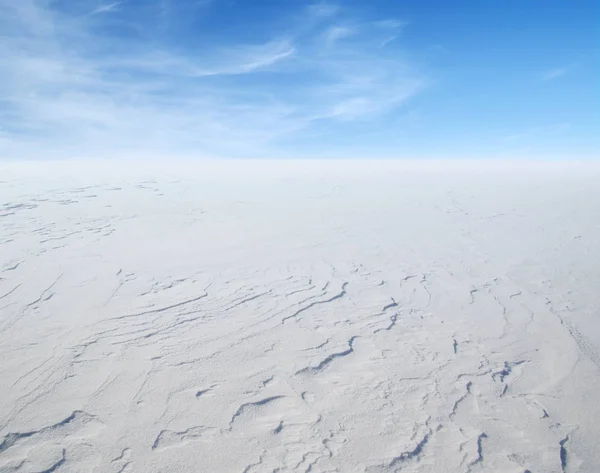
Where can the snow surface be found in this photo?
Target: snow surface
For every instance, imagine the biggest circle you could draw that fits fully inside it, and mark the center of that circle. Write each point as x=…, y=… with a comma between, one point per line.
x=340, y=316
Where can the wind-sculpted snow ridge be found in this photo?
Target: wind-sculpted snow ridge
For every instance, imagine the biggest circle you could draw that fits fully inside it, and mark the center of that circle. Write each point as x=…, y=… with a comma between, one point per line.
x=299, y=317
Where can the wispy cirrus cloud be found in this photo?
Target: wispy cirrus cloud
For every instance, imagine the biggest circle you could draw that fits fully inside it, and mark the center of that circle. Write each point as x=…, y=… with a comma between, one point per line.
x=555, y=73
x=336, y=33
x=323, y=10
x=243, y=59
x=393, y=27
x=107, y=8
x=69, y=89
x=391, y=23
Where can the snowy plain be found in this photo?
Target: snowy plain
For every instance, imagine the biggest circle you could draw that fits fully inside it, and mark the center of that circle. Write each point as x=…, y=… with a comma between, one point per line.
x=299, y=316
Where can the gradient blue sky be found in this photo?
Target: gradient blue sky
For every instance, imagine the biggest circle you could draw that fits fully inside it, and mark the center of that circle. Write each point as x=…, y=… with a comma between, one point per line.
x=247, y=78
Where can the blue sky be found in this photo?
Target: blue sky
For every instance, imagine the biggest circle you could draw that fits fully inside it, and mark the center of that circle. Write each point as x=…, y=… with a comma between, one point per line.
x=249, y=78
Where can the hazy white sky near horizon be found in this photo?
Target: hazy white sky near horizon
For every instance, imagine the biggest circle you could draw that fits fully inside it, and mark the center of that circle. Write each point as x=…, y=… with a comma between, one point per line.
x=225, y=78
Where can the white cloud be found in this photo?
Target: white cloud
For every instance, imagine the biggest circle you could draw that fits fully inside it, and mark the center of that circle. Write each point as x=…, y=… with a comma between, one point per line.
x=392, y=26
x=60, y=99
x=242, y=59
x=336, y=33
x=107, y=8
x=364, y=103
x=388, y=40
x=391, y=23
x=555, y=73
x=323, y=10
x=252, y=58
